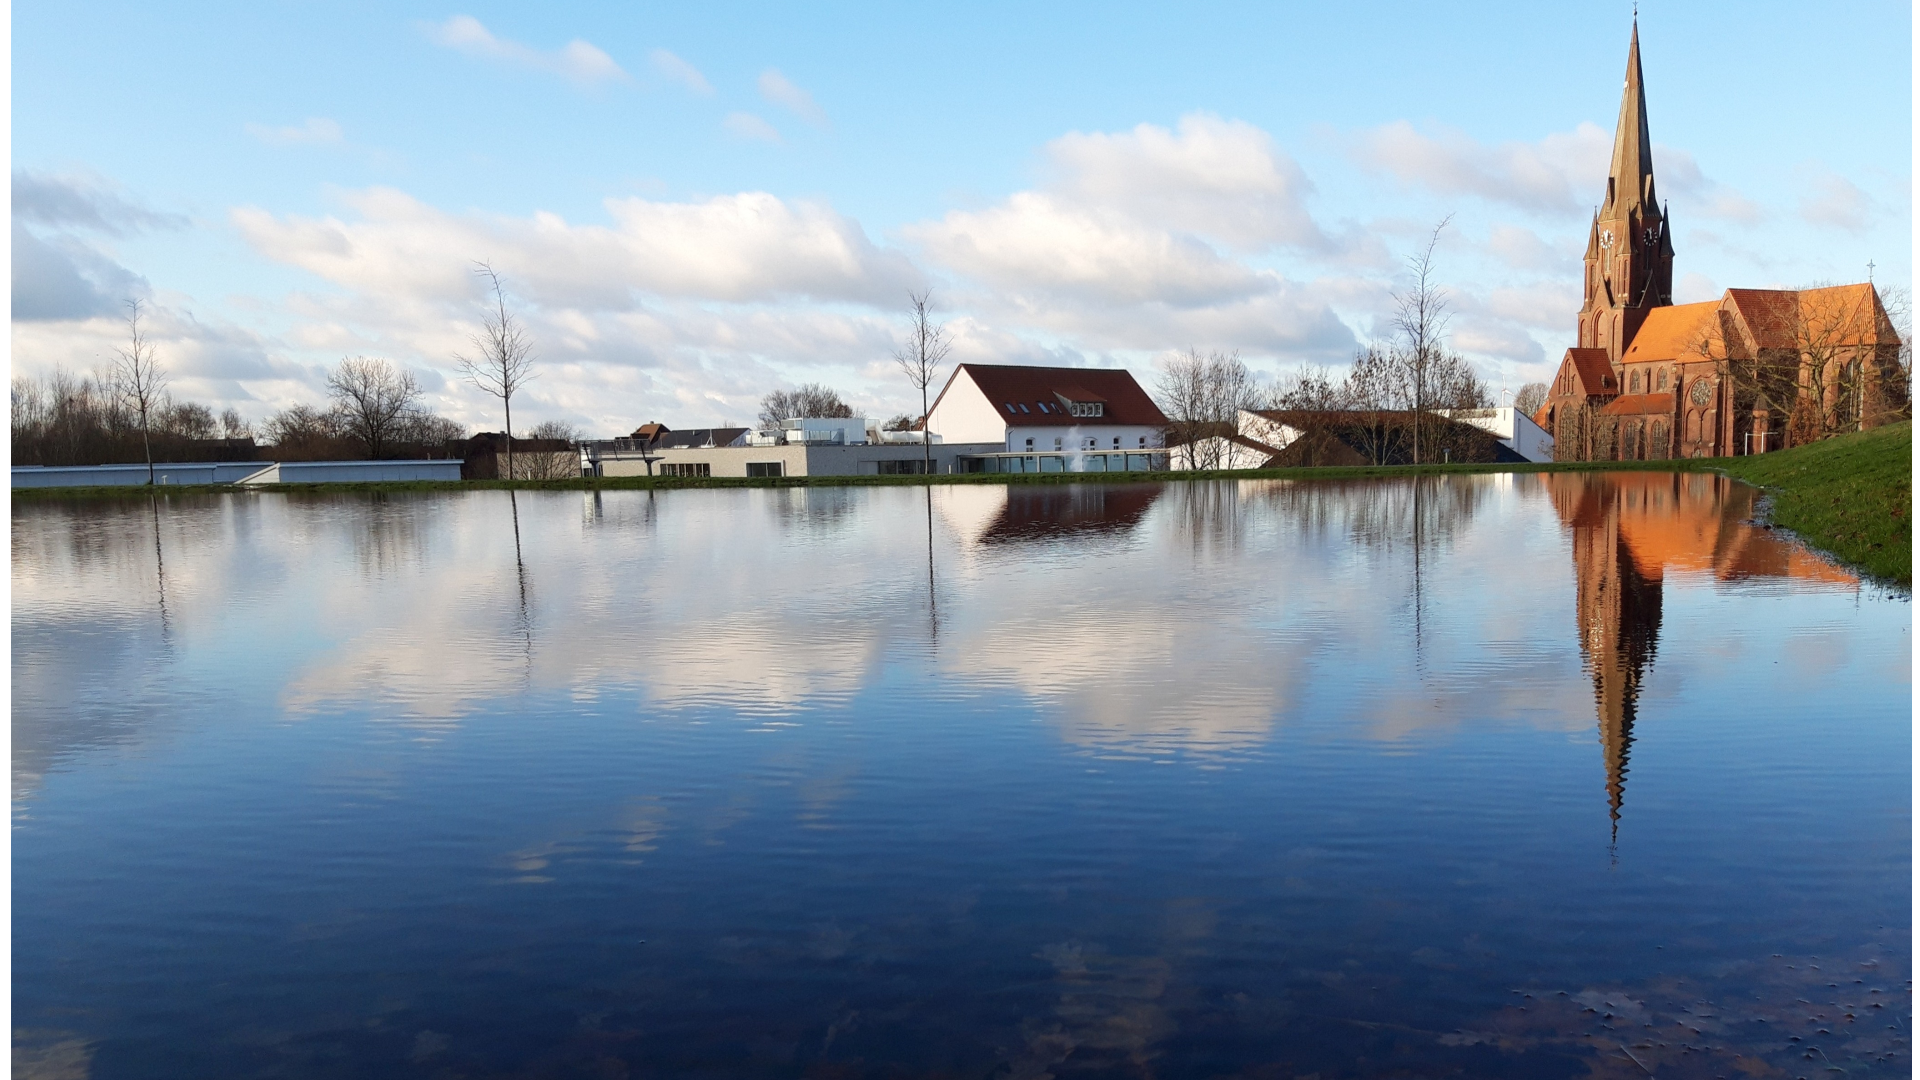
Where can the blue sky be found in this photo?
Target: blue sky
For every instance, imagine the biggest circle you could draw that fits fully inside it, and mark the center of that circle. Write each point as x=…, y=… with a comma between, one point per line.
x=694, y=204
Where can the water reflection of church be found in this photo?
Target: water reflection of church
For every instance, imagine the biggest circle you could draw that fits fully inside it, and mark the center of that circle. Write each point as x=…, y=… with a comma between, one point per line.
x=1629, y=531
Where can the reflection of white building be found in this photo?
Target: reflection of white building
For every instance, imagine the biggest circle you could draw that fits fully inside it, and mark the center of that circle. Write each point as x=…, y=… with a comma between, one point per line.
x=1049, y=419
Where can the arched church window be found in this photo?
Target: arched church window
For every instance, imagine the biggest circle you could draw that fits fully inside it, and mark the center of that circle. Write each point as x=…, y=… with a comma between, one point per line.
x=1663, y=378
x=1633, y=386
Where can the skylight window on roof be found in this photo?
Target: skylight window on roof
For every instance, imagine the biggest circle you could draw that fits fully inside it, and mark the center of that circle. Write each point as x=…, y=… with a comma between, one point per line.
x=1010, y=406
x=1023, y=407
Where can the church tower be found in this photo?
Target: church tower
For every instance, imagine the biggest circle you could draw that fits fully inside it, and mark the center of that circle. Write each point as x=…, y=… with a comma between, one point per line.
x=1630, y=244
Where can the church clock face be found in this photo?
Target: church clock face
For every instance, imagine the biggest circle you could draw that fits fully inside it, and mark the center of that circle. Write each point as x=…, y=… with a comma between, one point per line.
x=1702, y=392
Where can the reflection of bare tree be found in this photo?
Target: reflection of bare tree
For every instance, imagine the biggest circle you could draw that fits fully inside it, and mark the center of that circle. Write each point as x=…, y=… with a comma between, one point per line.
x=1208, y=512
x=393, y=537
x=159, y=566
x=933, y=607
x=1377, y=514
x=520, y=571
x=813, y=507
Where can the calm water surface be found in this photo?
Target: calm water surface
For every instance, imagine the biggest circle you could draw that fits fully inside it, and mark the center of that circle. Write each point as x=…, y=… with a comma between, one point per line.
x=1492, y=776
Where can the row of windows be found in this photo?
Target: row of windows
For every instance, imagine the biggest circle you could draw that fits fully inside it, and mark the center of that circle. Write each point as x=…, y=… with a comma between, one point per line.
x=1077, y=408
x=686, y=468
x=1088, y=443
x=766, y=468
x=1636, y=386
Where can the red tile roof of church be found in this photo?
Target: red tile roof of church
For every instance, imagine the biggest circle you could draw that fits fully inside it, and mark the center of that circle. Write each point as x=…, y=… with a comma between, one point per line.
x=1594, y=370
x=1672, y=333
x=1639, y=405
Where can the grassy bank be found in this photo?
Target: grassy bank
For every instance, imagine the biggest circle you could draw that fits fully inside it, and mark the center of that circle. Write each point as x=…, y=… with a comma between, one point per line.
x=1850, y=496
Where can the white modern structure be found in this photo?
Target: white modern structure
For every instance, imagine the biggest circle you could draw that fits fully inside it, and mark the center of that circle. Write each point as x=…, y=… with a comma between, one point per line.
x=1515, y=430
x=1049, y=419
x=245, y=473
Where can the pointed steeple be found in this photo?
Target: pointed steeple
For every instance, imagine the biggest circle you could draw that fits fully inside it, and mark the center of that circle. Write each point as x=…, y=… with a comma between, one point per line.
x=1630, y=180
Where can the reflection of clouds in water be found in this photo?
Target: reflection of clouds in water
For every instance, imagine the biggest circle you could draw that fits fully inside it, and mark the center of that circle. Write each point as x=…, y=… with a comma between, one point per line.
x=1141, y=617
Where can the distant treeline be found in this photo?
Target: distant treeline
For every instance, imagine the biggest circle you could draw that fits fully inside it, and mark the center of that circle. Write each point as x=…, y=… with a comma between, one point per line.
x=68, y=419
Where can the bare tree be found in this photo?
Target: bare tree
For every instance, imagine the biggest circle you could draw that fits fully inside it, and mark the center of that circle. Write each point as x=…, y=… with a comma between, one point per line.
x=1202, y=395
x=233, y=427
x=139, y=381
x=1307, y=389
x=1898, y=302
x=374, y=399
x=805, y=400
x=920, y=354
x=1451, y=383
x=1530, y=398
x=1376, y=392
x=503, y=360
x=1421, y=319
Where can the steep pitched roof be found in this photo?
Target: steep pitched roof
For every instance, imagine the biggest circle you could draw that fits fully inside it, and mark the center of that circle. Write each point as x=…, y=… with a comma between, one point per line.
x=1833, y=316
x=1631, y=175
x=1592, y=372
x=1672, y=333
x=1030, y=396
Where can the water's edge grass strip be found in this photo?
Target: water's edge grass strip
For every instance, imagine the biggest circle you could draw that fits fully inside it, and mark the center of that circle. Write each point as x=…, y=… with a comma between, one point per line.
x=1850, y=497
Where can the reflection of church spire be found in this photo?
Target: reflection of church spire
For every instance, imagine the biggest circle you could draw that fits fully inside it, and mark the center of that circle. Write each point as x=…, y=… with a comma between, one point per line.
x=1619, y=612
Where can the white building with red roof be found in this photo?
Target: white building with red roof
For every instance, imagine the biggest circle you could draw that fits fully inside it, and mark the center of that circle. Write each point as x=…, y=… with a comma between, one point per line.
x=1050, y=419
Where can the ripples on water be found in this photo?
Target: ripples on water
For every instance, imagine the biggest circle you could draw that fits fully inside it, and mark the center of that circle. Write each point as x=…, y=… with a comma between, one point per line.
x=1495, y=776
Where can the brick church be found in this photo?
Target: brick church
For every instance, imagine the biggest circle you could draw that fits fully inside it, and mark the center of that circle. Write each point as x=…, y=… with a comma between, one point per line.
x=1756, y=370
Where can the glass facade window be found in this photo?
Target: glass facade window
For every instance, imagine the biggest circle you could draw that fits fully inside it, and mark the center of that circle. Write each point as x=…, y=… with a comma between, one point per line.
x=766, y=468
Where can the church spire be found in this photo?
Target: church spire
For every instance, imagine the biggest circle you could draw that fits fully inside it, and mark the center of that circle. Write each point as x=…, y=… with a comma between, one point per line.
x=1630, y=182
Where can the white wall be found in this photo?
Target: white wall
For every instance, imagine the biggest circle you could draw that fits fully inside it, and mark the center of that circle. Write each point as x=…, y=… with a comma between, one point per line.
x=964, y=415
x=1510, y=426
x=1074, y=437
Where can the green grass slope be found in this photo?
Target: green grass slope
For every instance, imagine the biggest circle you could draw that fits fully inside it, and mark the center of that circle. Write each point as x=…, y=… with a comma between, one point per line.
x=1851, y=496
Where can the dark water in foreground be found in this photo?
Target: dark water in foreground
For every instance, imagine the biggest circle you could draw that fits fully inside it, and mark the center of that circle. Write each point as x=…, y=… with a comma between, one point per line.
x=1493, y=776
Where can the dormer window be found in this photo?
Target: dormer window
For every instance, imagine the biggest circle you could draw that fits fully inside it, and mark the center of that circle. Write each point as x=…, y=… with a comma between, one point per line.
x=1087, y=408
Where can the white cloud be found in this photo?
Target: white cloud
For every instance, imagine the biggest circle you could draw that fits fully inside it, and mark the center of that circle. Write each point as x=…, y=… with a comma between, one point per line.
x=1042, y=243
x=577, y=61
x=62, y=268
x=1223, y=179
x=86, y=203
x=1522, y=249
x=1562, y=174
x=1837, y=202
x=1547, y=176
x=1128, y=245
x=781, y=91
x=674, y=69
x=748, y=126
x=317, y=131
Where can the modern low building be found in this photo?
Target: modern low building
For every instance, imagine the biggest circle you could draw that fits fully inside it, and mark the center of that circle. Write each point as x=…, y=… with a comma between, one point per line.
x=1515, y=430
x=841, y=446
x=1049, y=419
x=241, y=473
